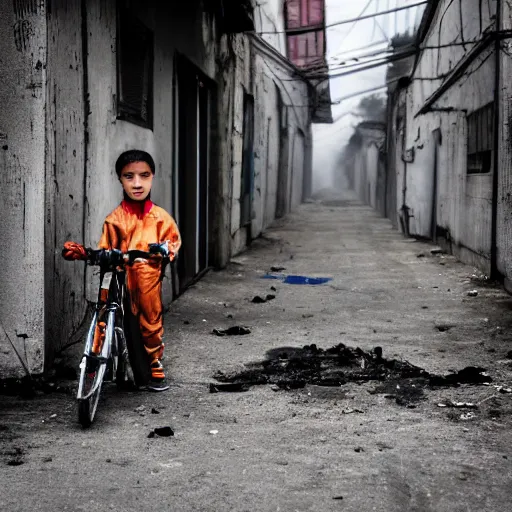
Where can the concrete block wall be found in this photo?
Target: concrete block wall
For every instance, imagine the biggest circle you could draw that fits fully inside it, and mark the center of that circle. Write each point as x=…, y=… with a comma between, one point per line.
x=23, y=60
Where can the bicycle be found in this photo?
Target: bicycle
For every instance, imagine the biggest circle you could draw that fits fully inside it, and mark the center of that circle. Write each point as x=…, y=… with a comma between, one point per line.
x=120, y=351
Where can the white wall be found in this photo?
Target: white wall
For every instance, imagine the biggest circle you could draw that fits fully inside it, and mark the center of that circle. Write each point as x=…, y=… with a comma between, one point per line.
x=463, y=205
x=270, y=73
x=269, y=17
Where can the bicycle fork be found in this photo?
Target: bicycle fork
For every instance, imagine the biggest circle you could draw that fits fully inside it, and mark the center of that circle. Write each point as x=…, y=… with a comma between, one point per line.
x=99, y=361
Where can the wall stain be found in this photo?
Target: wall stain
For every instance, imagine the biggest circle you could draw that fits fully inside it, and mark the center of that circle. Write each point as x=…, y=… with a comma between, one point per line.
x=23, y=8
x=23, y=31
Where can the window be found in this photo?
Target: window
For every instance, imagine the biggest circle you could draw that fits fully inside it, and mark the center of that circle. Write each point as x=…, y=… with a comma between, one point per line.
x=480, y=140
x=304, y=13
x=306, y=49
x=134, y=70
x=305, y=32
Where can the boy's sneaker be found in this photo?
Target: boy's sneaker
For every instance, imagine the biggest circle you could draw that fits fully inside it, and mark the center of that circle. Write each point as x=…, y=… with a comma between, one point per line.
x=158, y=385
x=157, y=381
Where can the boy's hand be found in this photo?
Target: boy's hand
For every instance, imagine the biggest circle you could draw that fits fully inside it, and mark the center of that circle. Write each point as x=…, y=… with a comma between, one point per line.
x=73, y=251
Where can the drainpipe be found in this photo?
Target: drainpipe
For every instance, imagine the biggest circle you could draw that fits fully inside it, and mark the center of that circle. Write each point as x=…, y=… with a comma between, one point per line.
x=496, y=159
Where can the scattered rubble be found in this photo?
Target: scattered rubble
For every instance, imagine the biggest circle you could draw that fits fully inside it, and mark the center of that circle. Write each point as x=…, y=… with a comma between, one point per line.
x=260, y=300
x=161, y=432
x=237, y=330
x=444, y=327
x=229, y=388
x=458, y=405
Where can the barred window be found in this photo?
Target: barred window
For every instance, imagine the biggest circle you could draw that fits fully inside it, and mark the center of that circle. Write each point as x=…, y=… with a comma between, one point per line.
x=134, y=70
x=480, y=140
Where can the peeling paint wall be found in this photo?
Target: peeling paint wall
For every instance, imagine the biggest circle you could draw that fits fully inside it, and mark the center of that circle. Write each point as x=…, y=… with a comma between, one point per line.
x=22, y=176
x=269, y=16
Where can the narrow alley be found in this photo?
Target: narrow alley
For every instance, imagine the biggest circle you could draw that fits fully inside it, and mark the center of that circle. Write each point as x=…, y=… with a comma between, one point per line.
x=351, y=447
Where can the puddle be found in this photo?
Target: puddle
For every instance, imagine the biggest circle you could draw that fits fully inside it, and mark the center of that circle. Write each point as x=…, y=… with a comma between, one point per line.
x=293, y=279
x=294, y=368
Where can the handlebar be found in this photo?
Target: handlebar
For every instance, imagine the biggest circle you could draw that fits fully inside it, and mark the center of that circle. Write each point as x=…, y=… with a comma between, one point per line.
x=111, y=258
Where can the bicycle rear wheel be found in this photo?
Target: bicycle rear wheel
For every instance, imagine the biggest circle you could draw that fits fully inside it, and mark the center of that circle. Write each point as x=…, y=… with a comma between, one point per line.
x=122, y=362
x=138, y=357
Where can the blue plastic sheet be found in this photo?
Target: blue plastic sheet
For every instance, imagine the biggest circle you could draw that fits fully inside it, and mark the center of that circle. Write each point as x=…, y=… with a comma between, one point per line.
x=293, y=279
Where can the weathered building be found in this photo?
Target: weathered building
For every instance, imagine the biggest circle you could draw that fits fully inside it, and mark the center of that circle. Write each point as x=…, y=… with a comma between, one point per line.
x=226, y=116
x=449, y=162
x=364, y=162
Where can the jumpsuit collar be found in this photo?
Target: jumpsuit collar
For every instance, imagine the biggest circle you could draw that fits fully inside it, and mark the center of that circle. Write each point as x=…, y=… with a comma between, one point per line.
x=139, y=208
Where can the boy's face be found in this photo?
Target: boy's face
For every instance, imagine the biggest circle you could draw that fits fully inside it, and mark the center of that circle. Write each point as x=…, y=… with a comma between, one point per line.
x=136, y=179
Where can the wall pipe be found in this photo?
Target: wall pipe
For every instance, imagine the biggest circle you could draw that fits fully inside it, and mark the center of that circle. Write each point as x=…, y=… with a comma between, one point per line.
x=496, y=142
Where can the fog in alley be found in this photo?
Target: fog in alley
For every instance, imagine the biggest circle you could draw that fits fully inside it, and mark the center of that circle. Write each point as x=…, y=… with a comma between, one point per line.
x=361, y=40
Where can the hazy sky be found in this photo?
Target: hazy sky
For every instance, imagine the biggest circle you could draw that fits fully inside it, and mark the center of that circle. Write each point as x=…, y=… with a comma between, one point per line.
x=346, y=41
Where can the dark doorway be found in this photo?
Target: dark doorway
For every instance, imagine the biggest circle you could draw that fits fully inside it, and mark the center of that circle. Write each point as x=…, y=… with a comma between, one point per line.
x=193, y=100
x=246, y=193
x=437, y=139
x=282, y=205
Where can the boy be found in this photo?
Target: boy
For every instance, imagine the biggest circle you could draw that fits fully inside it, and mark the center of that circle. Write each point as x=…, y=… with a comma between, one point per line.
x=134, y=224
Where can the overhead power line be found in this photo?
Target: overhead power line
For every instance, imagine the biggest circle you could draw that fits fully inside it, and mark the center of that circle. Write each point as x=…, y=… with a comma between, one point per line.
x=340, y=45
x=343, y=22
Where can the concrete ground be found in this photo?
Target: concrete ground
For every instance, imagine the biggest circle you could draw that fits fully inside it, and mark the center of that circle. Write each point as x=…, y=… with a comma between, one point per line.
x=312, y=449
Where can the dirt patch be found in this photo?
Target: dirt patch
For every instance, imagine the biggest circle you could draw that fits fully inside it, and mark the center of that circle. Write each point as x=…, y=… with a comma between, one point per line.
x=293, y=368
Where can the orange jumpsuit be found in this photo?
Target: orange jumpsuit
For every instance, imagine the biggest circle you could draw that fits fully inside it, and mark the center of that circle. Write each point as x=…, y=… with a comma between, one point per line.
x=132, y=226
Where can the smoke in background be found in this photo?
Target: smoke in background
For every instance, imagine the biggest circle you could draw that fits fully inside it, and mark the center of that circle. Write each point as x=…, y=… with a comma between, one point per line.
x=347, y=44
x=331, y=143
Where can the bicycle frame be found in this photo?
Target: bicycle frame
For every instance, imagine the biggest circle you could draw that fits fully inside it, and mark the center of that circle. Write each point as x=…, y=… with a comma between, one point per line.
x=114, y=304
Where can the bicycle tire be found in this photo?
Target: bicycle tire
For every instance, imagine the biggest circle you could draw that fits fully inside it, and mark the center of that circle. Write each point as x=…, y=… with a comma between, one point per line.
x=92, y=373
x=87, y=406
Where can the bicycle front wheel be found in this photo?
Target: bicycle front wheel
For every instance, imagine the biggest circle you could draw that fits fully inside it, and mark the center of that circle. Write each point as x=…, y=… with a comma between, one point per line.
x=92, y=372
x=91, y=378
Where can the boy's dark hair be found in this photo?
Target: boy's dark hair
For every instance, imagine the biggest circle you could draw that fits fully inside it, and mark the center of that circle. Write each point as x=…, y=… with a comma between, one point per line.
x=134, y=155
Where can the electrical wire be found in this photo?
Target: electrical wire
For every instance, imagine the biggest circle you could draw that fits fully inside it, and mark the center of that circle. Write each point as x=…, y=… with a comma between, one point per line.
x=354, y=24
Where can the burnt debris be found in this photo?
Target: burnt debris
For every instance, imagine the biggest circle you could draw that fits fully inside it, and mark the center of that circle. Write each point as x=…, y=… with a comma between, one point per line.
x=293, y=368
